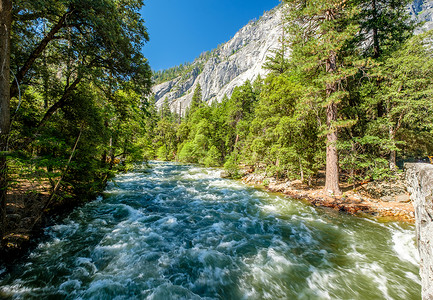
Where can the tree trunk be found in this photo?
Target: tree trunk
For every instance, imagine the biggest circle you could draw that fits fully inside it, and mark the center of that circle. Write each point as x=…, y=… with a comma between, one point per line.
x=392, y=160
x=237, y=140
x=301, y=169
x=332, y=172
x=180, y=112
x=5, y=38
x=111, y=153
x=393, y=153
x=37, y=52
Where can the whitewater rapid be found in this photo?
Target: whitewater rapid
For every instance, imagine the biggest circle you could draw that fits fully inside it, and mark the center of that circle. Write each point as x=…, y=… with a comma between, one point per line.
x=176, y=231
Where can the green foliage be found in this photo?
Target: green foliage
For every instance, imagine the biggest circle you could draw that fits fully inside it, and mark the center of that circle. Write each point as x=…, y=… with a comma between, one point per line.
x=83, y=80
x=284, y=133
x=212, y=158
x=281, y=125
x=361, y=159
x=232, y=165
x=397, y=99
x=196, y=101
x=163, y=153
x=384, y=25
x=187, y=153
x=278, y=62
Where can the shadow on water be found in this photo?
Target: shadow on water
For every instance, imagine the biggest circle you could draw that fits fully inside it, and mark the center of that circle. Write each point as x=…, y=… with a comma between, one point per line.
x=182, y=232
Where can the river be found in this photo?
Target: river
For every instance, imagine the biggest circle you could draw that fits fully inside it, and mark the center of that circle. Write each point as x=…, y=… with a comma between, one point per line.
x=177, y=231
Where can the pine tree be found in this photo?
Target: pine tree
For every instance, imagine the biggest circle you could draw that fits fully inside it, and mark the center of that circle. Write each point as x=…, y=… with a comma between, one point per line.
x=278, y=62
x=384, y=25
x=405, y=92
x=197, y=99
x=166, y=111
x=284, y=132
x=322, y=32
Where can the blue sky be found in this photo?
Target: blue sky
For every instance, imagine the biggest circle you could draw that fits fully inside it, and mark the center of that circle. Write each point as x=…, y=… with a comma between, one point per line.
x=180, y=30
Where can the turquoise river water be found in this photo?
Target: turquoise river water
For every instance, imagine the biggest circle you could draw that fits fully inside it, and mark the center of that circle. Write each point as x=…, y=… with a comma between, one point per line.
x=181, y=232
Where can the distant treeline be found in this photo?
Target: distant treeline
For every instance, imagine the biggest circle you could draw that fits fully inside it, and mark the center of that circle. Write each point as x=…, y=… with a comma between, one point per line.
x=182, y=70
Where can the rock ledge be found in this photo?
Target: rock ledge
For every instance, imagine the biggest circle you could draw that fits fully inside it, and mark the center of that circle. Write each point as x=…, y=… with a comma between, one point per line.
x=419, y=178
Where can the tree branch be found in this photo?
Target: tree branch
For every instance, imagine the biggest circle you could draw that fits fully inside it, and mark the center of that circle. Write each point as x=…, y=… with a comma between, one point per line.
x=56, y=106
x=37, y=52
x=59, y=104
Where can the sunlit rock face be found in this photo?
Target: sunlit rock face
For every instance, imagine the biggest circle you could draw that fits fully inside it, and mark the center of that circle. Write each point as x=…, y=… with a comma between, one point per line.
x=420, y=184
x=242, y=58
x=422, y=11
x=228, y=66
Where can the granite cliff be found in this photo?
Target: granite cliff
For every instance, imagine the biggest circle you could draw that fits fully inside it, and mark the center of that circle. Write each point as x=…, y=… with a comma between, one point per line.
x=230, y=65
x=422, y=11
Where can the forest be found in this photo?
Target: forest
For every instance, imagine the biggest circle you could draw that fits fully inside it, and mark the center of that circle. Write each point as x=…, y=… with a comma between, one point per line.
x=353, y=100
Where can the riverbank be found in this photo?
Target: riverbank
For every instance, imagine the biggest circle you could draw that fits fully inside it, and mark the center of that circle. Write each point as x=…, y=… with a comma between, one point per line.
x=387, y=201
x=28, y=212
x=25, y=218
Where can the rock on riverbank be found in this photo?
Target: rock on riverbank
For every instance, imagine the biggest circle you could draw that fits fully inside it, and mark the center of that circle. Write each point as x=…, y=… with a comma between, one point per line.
x=420, y=183
x=390, y=200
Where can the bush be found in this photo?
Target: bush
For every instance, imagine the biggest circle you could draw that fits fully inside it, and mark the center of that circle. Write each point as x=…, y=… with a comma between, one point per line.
x=187, y=153
x=162, y=153
x=213, y=158
x=232, y=165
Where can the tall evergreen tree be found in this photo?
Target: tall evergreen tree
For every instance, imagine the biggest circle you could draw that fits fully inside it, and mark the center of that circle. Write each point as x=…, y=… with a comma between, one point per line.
x=384, y=25
x=197, y=99
x=165, y=110
x=321, y=41
x=278, y=61
x=405, y=92
x=284, y=131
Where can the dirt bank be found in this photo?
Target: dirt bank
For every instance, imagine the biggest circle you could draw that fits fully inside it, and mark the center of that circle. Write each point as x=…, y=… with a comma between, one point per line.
x=27, y=215
x=367, y=199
